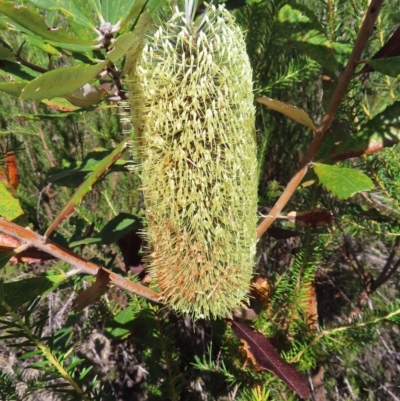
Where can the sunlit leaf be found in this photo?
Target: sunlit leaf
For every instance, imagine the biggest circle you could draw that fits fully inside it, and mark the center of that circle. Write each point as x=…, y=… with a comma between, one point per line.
x=342, y=182
x=79, y=16
x=295, y=113
x=121, y=11
x=35, y=23
x=61, y=81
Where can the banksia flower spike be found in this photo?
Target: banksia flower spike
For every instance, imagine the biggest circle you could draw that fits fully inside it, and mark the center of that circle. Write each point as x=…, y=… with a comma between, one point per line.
x=193, y=113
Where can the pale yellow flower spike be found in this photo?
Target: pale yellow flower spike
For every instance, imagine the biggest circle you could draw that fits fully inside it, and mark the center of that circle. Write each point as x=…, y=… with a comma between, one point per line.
x=192, y=107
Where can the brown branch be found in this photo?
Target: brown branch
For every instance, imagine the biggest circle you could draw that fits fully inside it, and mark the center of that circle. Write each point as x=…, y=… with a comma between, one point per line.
x=366, y=31
x=26, y=236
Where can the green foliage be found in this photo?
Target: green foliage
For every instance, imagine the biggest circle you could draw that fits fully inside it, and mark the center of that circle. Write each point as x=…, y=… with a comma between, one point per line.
x=328, y=292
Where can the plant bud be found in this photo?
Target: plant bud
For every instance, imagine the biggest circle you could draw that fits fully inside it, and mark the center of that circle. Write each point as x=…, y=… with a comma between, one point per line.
x=193, y=114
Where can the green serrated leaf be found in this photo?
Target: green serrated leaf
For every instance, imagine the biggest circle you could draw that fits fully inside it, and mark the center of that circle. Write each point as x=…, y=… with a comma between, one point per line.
x=341, y=181
x=61, y=81
x=115, y=229
x=121, y=11
x=35, y=23
x=387, y=66
x=78, y=14
x=86, y=186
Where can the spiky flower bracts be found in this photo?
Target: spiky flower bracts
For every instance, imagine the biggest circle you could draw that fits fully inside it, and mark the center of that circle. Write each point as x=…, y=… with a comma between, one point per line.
x=194, y=115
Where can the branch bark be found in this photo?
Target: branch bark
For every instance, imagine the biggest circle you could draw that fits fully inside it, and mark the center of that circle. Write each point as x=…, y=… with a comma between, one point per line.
x=30, y=238
x=366, y=31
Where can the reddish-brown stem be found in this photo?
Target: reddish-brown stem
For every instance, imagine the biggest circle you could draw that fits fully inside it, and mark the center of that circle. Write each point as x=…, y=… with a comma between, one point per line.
x=26, y=236
x=366, y=31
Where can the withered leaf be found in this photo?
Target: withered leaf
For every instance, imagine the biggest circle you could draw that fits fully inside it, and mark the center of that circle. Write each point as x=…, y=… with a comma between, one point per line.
x=12, y=170
x=93, y=293
x=311, y=218
x=268, y=358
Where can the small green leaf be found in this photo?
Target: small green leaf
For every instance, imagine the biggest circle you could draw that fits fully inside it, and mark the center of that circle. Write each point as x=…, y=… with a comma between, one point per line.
x=10, y=208
x=61, y=81
x=78, y=14
x=115, y=229
x=387, y=66
x=35, y=23
x=342, y=182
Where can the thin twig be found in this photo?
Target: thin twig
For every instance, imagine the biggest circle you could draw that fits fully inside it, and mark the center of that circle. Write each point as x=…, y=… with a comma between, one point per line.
x=35, y=240
x=385, y=271
x=26, y=63
x=366, y=31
